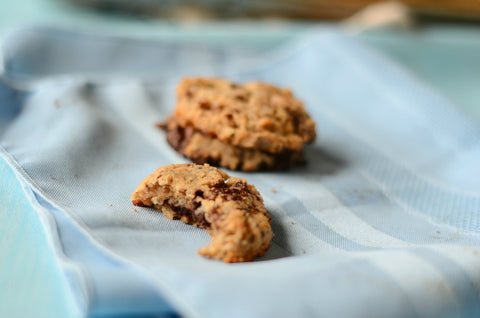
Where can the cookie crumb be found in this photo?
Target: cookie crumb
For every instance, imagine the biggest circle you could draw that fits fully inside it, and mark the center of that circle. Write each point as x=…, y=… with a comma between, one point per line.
x=162, y=126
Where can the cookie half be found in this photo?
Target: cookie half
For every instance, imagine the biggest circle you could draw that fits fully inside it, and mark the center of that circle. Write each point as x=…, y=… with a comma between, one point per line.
x=231, y=210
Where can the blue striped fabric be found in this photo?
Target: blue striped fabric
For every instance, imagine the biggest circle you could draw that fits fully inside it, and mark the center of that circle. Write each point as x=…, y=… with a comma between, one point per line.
x=384, y=221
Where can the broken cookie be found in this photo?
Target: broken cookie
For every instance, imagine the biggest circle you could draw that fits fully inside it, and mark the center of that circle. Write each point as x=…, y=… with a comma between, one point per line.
x=228, y=208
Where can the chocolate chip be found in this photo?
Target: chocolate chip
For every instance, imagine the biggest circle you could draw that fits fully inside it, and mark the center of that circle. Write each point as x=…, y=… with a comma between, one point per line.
x=205, y=105
x=192, y=217
x=241, y=98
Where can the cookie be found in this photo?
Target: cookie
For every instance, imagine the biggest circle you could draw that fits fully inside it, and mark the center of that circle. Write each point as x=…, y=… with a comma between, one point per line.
x=228, y=208
x=251, y=119
x=253, y=115
x=202, y=148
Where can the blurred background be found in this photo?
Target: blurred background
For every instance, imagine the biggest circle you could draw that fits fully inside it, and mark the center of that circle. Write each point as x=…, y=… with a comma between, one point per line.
x=90, y=11
x=299, y=9
x=225, y=9
x=437, y=40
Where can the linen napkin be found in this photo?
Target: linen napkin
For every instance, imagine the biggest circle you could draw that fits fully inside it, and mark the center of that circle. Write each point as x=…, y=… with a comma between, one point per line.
x=383, y=221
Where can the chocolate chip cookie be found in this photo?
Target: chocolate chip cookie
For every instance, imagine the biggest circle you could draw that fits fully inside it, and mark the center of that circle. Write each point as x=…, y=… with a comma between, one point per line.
x=231, y=210
x=249, y=127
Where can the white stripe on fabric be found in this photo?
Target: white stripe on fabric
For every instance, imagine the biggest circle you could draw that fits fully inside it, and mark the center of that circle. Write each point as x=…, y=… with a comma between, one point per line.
x=420, y=280
x=347, y=224
x=342, y=220
x=298, y=240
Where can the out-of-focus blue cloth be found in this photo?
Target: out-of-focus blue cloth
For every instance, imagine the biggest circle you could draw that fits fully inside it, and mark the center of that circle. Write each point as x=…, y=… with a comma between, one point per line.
x=384, y=221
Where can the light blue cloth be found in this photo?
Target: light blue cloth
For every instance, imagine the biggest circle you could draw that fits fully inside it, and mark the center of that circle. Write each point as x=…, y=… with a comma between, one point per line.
x=384, y=221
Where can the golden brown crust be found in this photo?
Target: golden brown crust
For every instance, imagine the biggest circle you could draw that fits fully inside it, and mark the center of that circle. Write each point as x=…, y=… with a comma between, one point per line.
x=254, y=115
x=231, y=210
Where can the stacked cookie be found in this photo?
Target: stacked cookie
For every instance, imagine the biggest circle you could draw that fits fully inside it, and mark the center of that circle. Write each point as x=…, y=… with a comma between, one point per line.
x=249, y=127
